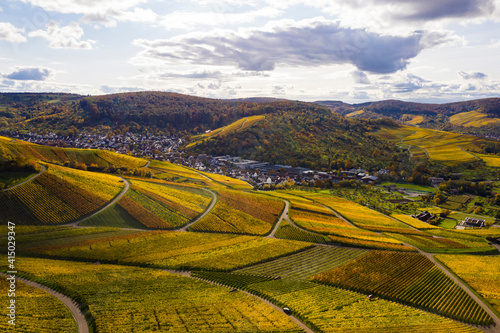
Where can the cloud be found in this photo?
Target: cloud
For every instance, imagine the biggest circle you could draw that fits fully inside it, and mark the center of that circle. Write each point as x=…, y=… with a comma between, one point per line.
x=189, y=20
x=104, y=12
x=306, y=43
x=432, y=9
x=10, y=33
x=472, y=75
x=425, y=10
x=66, y=37
x=360, y=77
x=30, y=73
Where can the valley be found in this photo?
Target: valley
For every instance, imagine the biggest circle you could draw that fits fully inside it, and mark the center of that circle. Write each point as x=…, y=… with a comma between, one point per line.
x=322, y=221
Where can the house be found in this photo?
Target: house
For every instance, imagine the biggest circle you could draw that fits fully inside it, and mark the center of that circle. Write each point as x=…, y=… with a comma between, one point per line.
x=369, y=179
x=472, y=222
x=435, y=181
x=424, y=216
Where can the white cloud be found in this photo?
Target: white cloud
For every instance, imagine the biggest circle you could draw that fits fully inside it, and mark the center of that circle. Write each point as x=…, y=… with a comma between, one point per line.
x=103, y=12
x=10, y=33
x=471, y=75
x=84, y=6
x=65, y=37
x=187, y=20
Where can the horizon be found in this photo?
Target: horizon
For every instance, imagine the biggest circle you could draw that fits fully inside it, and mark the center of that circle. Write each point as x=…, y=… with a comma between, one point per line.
x=248, y=97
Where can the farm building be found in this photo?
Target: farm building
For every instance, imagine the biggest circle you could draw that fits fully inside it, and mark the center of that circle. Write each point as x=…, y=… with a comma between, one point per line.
x=424, y=216
x=472, y=222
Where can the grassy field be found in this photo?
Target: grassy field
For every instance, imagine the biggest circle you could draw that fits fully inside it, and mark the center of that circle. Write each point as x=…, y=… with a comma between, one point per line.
x=9, y=179
x=132, y=299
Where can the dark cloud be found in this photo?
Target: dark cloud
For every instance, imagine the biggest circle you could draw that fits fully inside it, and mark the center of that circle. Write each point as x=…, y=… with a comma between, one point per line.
x=436, y=9
x=323, y=43
x=472, y=75
x=360, y=77
x=30, y=73
x=432, y=9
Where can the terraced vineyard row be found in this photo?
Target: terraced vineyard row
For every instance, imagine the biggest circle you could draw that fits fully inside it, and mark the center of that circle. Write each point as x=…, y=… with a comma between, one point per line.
x=288, y=231
x=158, y=206
x=41, y=312
x=359, y=215
x=302, y=265
x=173, y=250
x=241, y=212
x=328, y=309
x=99, y=158
x=55, y=197
x=314, y=217
x=132, y=299
x=408, y=278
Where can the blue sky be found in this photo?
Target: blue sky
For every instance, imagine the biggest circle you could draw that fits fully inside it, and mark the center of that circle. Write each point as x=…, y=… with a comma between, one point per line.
x=349, y=50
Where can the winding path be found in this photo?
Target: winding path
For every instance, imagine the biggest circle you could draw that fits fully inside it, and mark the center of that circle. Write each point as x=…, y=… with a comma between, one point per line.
x=284, y=215
x=44, y=168
x=295, y=319
x=115, y=199
x=488, y=329
x=70, y=303
x=208, y=210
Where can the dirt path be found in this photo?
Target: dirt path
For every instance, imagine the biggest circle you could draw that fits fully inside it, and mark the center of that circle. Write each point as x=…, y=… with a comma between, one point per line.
x=477, y=158
x=338, y=215
x=489, y=329
x=44, y=168
x=70, y=303
x=295, y=319
x=147, y=164
x=118, y=197
x=284, y=215
x=209, y=208
x=243, y=124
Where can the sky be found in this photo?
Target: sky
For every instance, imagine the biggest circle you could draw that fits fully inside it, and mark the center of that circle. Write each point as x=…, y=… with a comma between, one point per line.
x=430, y=51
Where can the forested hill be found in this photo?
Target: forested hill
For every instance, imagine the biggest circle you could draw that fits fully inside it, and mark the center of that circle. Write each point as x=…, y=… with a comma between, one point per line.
x=141, y=112
x=490, y=106
x=310, y=138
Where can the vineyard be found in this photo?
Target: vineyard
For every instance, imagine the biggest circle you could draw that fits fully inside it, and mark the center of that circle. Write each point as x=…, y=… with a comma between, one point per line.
x=175, y=250
x=288, y=231
x=359, y=215
x=304, y=264
x=408, y=278
x=481, y=273
x=315, y=217
x=58, y=196
x=99, y=158
x=162, y=206
x=126, y=299
x=328, y=309
x=416, y=223
x=241, y=212
x=441, y=146
x=41, y=312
